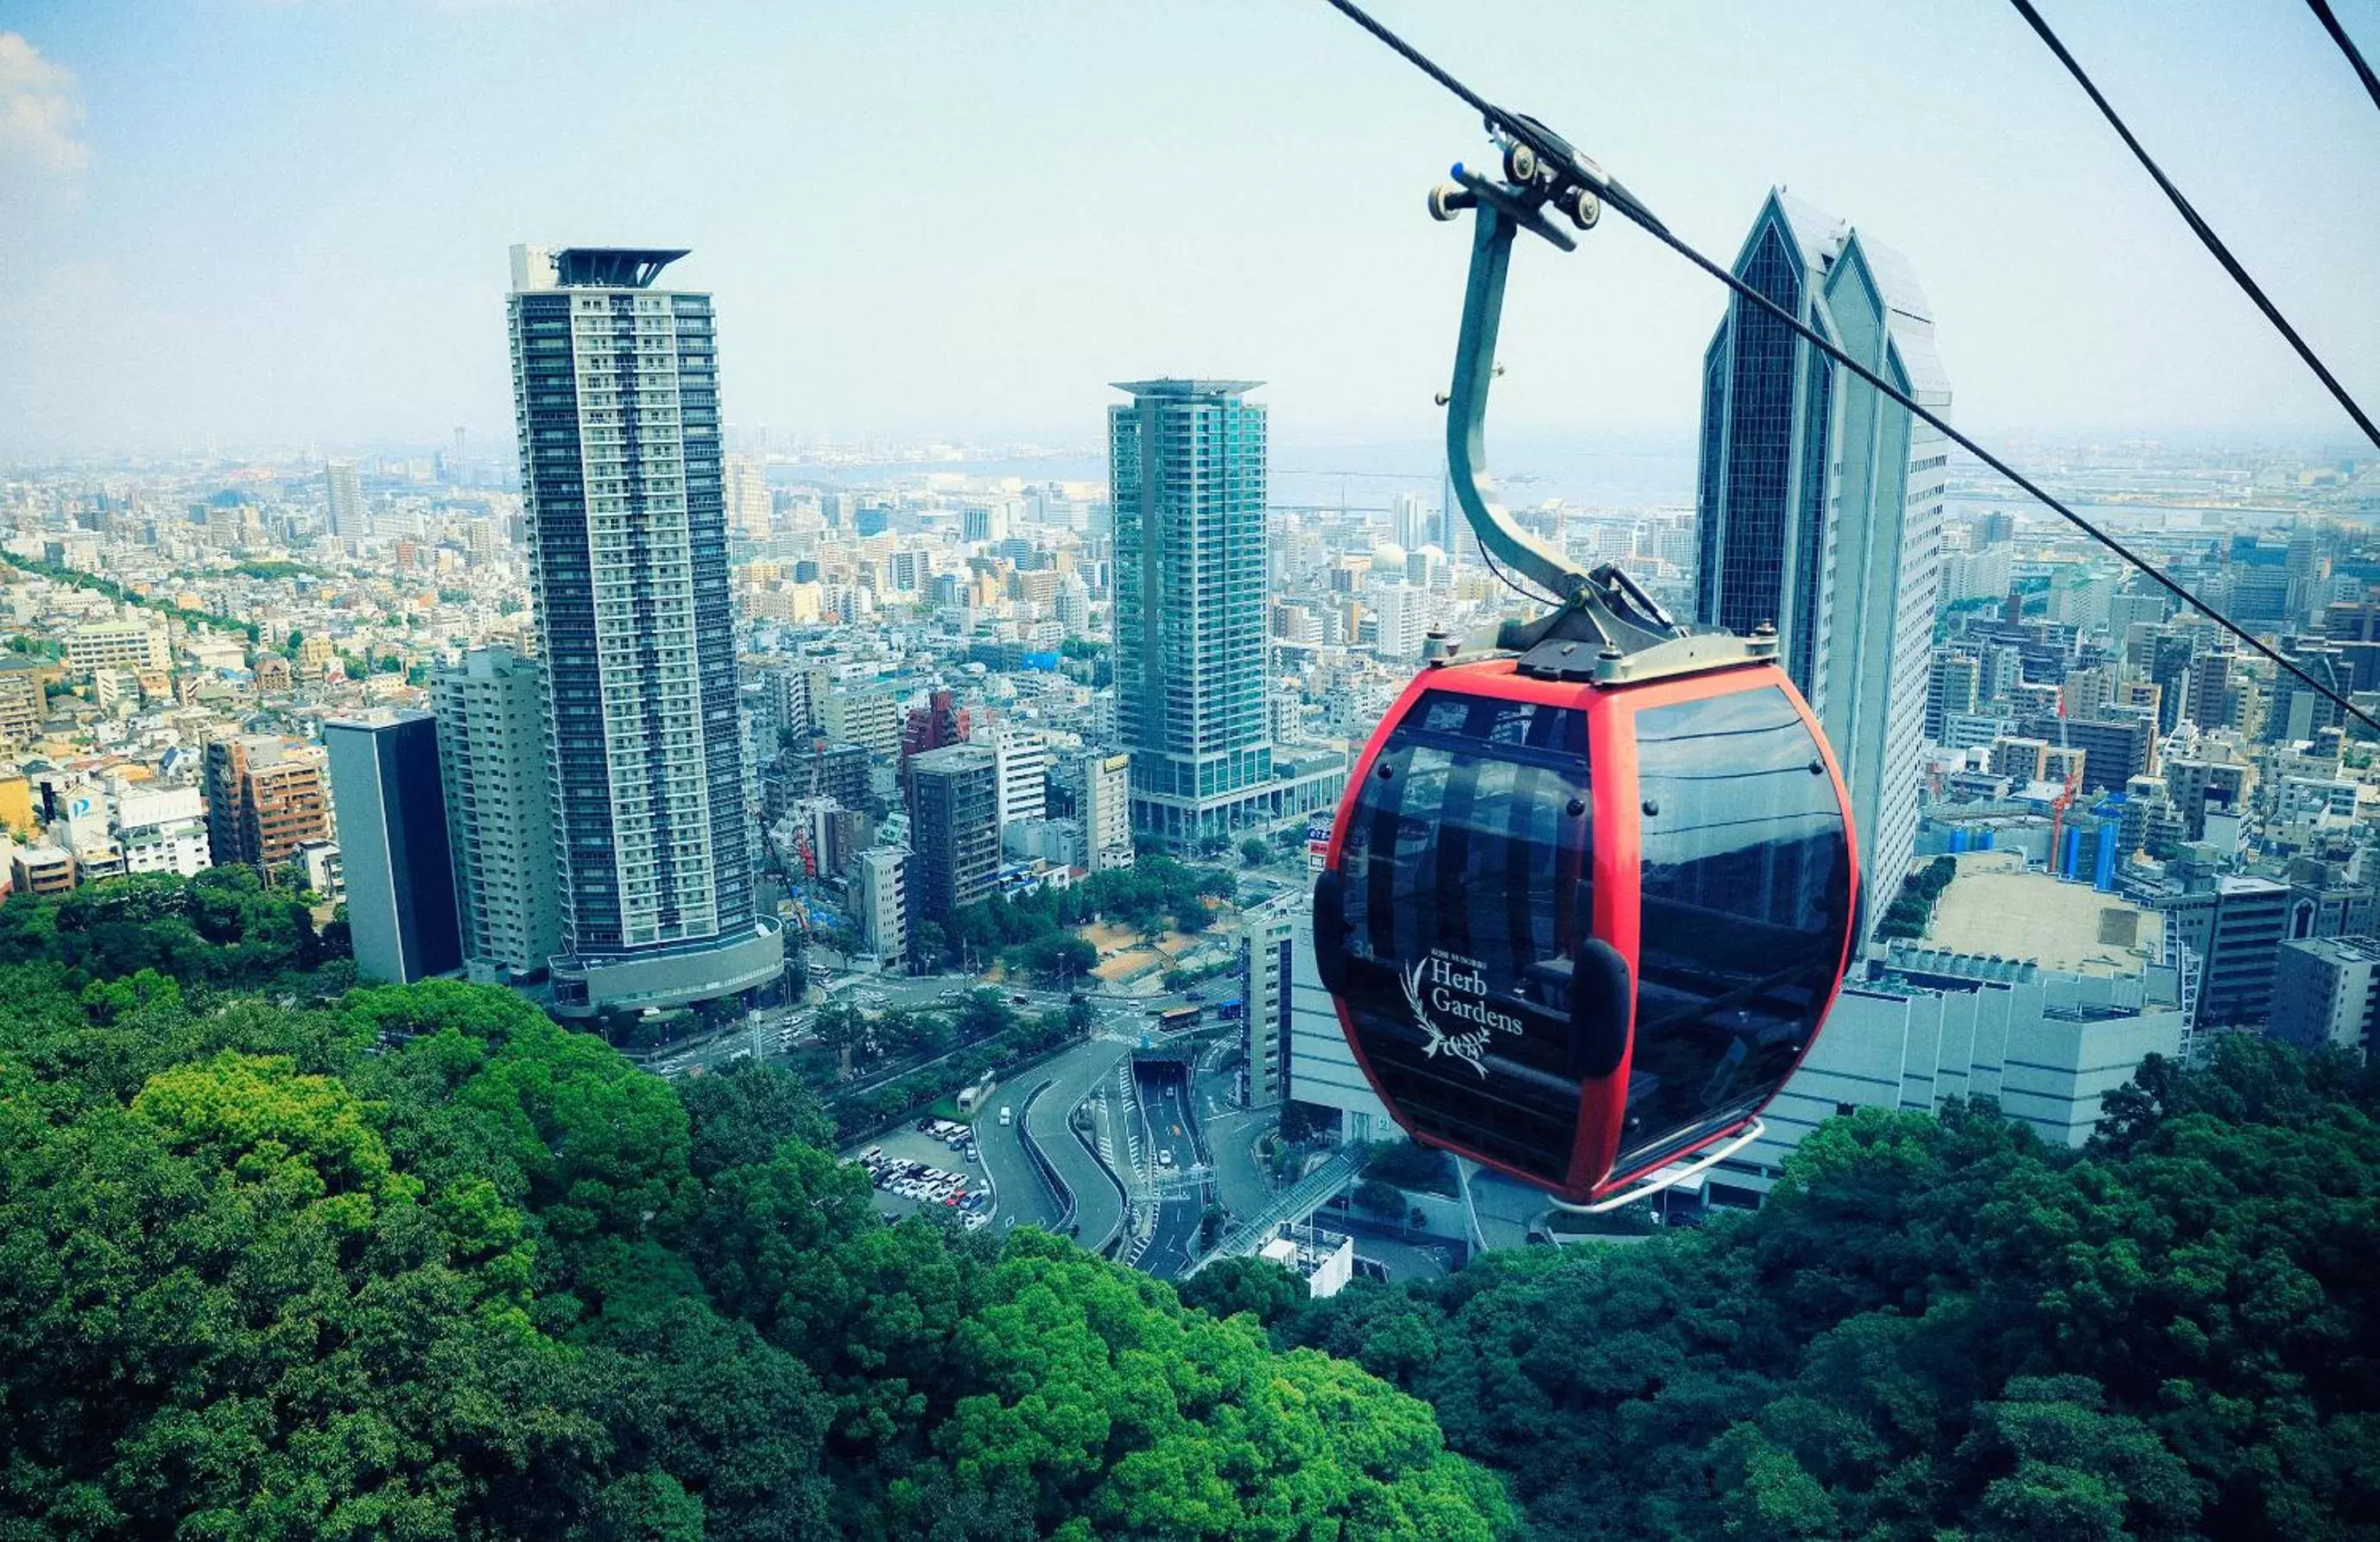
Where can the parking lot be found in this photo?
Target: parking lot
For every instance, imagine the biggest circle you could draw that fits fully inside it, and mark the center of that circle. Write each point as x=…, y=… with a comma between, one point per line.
x=914, y=1169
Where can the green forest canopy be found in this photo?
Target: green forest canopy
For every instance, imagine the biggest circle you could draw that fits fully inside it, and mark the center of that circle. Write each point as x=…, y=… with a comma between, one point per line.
x=417, y=1262
x=422, y=1263
x=1940, y=1329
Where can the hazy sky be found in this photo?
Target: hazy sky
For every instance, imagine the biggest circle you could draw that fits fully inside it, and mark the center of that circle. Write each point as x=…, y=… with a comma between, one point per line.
x=286, y=223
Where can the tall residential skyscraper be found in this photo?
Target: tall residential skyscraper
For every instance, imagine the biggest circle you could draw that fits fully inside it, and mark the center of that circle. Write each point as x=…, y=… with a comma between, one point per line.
x=1820, y=503
x=1953, y=689
x=499, y=811
x=747, y=494
x=393, y=845
x=615, y=390
x=1451, y=532
x=344, y=494
x=1186, y=463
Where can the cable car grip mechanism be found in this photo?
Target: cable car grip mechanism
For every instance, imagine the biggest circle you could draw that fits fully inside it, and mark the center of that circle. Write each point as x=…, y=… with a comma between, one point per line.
x=1605, y=629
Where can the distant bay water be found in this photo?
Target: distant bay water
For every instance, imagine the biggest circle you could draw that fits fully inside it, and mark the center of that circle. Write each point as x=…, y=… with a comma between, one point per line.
x=1649, y=471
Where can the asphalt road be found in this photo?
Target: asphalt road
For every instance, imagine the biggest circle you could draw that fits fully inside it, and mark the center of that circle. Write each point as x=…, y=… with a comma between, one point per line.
x=1041, y=1099
x=1166, y=1125
x=1098, y=1207
x=1052, y=1089
x=1024, y=1196
x=769, y=1033
x=1242, y=1184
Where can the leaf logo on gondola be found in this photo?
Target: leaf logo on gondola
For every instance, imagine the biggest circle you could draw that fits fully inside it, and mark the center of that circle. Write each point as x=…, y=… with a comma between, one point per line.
x=1471, y=1047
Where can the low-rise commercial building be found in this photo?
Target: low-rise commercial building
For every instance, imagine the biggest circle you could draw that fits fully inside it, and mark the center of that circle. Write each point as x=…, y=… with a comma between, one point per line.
x=105, y=643
x=2046, y=1037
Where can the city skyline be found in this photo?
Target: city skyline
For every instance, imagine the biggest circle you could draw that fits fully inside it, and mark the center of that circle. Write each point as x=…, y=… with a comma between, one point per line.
x=895, y=864
x=226, y=297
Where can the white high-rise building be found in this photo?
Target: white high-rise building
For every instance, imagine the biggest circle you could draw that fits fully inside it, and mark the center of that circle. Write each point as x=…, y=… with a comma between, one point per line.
x=1410, y=522
x=1820, y=503
x=880, y=886
x=1023, y=760
x=1186, y=464
x=1107, y=810
x=499, y=811
x=1399, y=619
x=1071, y=606
x=746, y=489
x=1268, y=944
x=350, y=519
x=615, y=389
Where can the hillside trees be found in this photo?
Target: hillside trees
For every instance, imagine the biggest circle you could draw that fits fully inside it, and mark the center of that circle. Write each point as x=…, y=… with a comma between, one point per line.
x=1939, y=1325
x=1028, y=929
x=424, y=1264
x=221, y=928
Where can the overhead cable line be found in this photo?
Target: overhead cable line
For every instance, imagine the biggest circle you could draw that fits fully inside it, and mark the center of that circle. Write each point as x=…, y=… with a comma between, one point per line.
x=1526, y=131
x=2347, y=46
x=2199, y=227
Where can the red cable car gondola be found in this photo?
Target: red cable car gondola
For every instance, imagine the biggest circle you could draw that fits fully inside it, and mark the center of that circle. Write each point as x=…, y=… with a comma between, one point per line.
x=1588, y=898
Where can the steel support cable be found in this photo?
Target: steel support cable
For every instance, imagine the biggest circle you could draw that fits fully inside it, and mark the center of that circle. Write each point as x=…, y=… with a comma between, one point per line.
x=2198, y=226
x=2346, y=45
x=1627, y=205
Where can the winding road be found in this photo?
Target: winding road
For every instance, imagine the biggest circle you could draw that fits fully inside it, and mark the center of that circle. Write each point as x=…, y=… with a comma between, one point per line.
x=1099, y=1203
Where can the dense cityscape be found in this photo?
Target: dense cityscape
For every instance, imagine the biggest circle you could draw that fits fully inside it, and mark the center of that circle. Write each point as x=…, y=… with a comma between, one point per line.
x=663, y=978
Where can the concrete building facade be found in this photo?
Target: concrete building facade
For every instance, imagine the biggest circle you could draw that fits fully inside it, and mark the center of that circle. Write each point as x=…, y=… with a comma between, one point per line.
x=880, y=890
x=1925, y=1025
x=1267, y=946
x=1322, y=1069
x=2325, y=990
x=265, y=798
x=954, y=829
x=163, y=831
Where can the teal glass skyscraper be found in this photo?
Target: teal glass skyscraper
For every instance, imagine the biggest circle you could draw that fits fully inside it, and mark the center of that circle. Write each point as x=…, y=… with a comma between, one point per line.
x=616, y=387
x=1819, y=503
x=1186, y=464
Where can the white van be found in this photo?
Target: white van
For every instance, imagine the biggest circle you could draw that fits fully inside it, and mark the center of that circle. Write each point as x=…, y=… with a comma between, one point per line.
x=1004, y=1119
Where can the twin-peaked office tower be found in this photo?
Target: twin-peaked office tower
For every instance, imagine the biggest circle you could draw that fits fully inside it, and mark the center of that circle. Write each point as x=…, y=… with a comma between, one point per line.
x=1820, y=503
